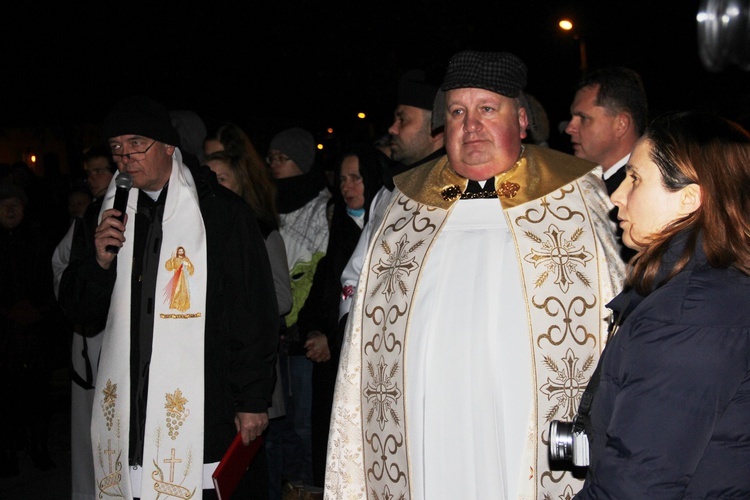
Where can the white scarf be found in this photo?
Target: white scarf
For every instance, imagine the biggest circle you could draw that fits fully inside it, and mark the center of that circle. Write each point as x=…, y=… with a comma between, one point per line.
x=173, y=443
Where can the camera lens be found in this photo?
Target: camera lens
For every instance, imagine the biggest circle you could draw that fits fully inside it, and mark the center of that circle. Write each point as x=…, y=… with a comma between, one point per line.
x=560, y=440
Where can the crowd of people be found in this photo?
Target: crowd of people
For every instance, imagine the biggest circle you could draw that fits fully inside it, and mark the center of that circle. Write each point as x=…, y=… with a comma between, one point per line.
x=405, y=324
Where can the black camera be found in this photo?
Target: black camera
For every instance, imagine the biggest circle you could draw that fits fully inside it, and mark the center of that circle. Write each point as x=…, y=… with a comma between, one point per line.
x=568, y=442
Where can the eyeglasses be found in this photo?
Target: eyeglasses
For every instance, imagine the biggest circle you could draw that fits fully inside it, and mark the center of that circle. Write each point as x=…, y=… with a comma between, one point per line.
x=270, y=159
x=135, y=154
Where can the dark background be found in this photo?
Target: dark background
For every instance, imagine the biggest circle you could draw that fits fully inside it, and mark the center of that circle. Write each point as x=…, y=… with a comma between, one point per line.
x=267, y=66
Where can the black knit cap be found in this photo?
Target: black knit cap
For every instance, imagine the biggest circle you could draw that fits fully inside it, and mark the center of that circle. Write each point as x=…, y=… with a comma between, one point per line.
x=13, y=191
x=416, y=89
x=499, y=72
x=140, y=115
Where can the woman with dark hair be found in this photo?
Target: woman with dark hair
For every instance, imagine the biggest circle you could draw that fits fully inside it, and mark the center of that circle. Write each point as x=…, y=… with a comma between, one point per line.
x=359, y=173
x=670, y=416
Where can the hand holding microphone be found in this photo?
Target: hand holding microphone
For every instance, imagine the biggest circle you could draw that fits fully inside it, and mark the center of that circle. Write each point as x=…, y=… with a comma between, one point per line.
x=123, y=183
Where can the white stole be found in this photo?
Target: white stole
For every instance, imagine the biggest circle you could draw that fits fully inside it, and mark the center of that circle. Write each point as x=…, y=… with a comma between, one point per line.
x=173, y=442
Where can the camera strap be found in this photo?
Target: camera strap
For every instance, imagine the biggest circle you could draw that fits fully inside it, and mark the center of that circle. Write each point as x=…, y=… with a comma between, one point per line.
x=588, y=395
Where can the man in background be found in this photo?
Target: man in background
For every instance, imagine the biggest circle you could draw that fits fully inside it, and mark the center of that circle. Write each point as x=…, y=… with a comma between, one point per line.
x=413, y=141
x=608, y=115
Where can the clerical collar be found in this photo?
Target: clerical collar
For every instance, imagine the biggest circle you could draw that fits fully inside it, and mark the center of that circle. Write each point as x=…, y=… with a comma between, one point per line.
x=154, y=195
x=480, y=190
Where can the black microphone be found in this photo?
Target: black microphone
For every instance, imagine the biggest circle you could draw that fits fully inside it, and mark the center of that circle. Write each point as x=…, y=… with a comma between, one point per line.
x=123, y=182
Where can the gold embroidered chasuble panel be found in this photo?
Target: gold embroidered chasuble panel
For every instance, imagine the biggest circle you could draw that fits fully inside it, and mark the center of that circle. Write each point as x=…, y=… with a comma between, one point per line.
x=570, y=269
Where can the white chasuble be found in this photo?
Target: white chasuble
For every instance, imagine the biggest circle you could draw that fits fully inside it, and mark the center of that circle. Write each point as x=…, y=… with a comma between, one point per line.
x=471, y=331
x=173, y=441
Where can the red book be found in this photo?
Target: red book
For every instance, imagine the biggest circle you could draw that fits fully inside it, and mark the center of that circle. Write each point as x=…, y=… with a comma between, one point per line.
x=233, y=465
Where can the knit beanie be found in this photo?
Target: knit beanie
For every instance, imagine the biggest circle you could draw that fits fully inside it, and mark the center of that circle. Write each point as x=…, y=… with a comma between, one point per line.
x=298, y=144
x=139, y=115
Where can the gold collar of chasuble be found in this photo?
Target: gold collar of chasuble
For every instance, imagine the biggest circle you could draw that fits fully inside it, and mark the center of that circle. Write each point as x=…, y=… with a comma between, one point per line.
x=538, y=172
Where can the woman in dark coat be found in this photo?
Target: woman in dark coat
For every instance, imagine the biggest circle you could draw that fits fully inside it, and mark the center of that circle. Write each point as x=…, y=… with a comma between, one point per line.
x=670, y=417
x=359, y=174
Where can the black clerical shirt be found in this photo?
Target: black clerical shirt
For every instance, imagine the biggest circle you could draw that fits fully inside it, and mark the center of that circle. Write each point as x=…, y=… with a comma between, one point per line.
x=146, y=248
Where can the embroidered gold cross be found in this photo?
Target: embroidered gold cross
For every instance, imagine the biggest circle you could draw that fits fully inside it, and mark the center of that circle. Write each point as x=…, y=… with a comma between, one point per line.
x=381, y=392
x=397, y=264
x=568, y=384
x=559, y=256
x=109, y=452
x=172, y=461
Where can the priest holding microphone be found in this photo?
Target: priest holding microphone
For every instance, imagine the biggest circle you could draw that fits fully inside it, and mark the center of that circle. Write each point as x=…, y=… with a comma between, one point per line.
x=175, y=384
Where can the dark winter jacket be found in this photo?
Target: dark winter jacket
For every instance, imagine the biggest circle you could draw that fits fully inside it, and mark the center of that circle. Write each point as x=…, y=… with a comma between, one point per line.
x=671, y=415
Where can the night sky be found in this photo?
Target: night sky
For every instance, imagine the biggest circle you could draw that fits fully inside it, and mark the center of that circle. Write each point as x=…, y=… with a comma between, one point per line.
x=317, y=63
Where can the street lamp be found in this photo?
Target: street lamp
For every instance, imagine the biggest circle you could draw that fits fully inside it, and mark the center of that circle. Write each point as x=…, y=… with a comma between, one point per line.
x=567, y=25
